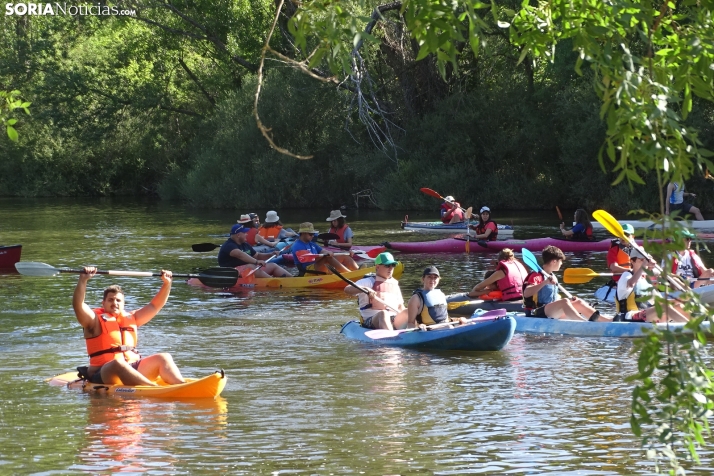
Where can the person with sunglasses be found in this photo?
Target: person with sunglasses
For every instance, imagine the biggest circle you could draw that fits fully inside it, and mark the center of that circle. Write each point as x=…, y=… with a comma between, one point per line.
x=688, y=264
x=383, y=307
x=633, y=286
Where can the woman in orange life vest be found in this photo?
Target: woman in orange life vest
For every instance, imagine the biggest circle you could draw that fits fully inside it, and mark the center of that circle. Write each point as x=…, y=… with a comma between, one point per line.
x=341, y=229
x=687, y=264
x=486, y=229
x=272, y=230
x=383, y=307
x=111, y=336
x=451, y=211
x=505, y=283
x=582, y=228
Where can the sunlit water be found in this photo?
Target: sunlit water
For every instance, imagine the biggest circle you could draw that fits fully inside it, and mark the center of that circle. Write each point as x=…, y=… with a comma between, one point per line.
x=300, y=399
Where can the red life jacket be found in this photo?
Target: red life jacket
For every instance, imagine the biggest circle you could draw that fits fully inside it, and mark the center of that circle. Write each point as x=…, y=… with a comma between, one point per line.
x=511, y=285
x=250, y=236
x=697, y=269
x=340, y=232
x=449, y=213
x=481, y=229
x=117, y=340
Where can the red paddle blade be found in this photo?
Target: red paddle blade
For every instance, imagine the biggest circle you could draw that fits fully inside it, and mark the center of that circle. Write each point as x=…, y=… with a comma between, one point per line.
x=308, y=257
x=373, y=253
x=431, y=192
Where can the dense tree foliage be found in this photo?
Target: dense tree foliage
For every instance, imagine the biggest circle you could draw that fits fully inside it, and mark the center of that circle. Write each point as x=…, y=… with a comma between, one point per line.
x=161, y=103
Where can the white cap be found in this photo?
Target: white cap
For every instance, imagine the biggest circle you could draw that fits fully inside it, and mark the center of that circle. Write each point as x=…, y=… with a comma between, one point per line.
x=484, y=209
x=449, y=198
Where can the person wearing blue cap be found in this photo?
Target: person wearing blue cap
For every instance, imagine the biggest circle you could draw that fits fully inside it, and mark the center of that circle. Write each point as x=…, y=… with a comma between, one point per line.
x=237, y=253
x=383, y=307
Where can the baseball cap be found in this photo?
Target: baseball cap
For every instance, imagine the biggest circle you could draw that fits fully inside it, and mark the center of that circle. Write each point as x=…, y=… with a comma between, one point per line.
x=239, y=228
x=686, y=233
x=448, y=198
x=484, y=209
x=629, y=229
x=385, y=258
x=430, y=270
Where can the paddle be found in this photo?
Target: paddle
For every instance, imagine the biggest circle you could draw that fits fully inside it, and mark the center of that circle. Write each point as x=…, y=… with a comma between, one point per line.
x=385, y=333
x=614, y=227
x=203, y=247
x=284, y=250
x=325, y=237
x=560, y=215
x=532, y=262
x=370, y=255
x=707, y=175
x=581, y=275
x=357, y=286
x=467, y=218
x=213, y=277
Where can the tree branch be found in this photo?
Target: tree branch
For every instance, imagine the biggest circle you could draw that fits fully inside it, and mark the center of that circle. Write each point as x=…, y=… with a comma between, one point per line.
x=195, y=80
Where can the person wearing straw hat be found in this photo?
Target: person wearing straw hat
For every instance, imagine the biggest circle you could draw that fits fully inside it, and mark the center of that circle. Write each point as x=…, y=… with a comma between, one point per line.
x=383, y=307
x=341, y=229
x=237, y=253
x=632, y=287
x=304, y=245
x=272, y=230
x=451, y=211
x=688, y=264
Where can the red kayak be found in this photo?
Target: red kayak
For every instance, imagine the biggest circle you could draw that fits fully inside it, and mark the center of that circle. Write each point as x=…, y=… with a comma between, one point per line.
x=9, y=255
x=457, y=245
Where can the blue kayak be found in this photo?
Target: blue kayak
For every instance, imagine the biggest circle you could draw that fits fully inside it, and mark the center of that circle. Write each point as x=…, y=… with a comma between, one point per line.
x=491, y=334
x=543, y=326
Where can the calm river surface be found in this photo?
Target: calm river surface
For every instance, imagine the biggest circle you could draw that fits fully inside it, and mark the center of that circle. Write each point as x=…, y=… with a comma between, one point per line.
x=300, y=399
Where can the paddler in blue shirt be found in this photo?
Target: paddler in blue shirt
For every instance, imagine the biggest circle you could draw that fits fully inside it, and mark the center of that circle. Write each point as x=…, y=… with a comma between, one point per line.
x=428, y=306
x=304, y=245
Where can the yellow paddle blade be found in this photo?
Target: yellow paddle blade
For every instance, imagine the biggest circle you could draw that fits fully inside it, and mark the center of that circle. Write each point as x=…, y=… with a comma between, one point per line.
x=609, y=222
x=579, y=275
x=453, y=305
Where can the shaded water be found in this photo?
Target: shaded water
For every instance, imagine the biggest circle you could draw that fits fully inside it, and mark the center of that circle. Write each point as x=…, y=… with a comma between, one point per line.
x=300, y=398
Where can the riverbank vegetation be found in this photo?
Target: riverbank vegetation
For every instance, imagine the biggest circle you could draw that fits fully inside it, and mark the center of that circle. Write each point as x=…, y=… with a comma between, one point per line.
x=160, y=104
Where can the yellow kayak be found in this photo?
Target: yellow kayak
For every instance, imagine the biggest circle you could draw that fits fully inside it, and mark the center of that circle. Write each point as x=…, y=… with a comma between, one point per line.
x=207, y=387
x=329, y=281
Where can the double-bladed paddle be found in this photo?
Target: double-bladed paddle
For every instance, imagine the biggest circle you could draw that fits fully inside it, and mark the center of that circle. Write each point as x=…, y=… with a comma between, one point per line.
x=385, y=333
x=204, y=247
x=532, y=262
x=370, y=255
x=284, y=250
x=581, y=275
x=614, y=227
x=213, y=277
x=434, y=194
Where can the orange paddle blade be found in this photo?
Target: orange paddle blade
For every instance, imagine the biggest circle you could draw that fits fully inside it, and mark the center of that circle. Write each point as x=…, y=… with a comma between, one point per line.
x=560, y=215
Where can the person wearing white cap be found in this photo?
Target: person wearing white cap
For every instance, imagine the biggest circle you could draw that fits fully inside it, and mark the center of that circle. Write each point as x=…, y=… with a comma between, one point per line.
x=486, y=229
x=272, y=230
x=341, y=229
x=632, y=286
x=451, y=211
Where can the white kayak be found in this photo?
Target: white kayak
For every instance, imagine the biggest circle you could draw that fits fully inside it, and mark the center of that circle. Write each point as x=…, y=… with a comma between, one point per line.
x=607, y=294
x=439, y=227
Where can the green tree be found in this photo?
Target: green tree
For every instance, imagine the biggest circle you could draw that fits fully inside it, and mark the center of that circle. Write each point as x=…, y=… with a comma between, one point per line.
x=10, y=102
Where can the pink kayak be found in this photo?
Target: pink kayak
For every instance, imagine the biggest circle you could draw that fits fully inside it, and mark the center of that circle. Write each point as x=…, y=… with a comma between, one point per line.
x=288, y=257
x=458, y=244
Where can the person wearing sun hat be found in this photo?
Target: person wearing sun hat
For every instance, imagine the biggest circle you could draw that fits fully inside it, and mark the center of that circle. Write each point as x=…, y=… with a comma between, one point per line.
x=486, y=229
x=237, y=253
x=632, y=288
x=451, y=211
x=383, y=307
x=687, y=263
x=272, y=230
x=305, y=246
x=341, y=229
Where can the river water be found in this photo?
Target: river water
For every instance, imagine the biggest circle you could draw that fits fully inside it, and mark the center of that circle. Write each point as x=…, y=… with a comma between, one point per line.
x=300, y=398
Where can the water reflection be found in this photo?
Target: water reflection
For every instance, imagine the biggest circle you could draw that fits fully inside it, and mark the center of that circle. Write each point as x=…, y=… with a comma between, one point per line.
x=142, y=435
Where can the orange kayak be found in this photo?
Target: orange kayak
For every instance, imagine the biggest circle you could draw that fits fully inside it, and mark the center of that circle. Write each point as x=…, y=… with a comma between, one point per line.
x=207, y=387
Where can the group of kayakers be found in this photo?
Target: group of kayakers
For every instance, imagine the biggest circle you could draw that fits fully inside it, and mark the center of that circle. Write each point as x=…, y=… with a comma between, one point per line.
x=240, y=250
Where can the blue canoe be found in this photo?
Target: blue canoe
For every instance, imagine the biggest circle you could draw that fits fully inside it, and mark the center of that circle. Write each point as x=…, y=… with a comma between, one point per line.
x=541, y=326
x=484, y=335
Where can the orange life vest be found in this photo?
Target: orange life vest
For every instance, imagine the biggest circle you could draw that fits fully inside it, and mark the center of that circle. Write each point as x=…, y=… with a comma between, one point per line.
x=340, y=232
x=496, y=295
x=117, y=339
x=511, y=285
x=270, y=233
x=622, y=259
